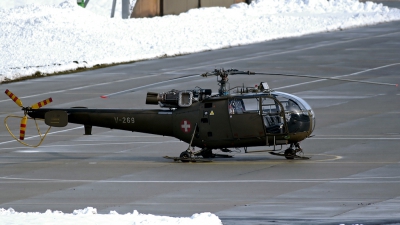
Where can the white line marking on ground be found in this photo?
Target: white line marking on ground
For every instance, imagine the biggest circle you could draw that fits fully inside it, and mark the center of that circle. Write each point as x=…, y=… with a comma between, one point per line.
x=395, y=179
x=74, y=145
x=55, y=132
x=340, y=76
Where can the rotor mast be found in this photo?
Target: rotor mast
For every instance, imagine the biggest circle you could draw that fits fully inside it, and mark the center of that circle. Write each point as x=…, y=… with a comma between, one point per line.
x=223, y=78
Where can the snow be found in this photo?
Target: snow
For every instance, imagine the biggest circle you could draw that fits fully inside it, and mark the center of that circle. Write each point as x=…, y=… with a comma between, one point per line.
x=99, y=7
x=62, y=36
x=89, y=216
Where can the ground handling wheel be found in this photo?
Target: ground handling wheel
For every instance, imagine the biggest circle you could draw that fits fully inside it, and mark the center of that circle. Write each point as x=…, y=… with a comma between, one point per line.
x=185, y=155
x=290, y=153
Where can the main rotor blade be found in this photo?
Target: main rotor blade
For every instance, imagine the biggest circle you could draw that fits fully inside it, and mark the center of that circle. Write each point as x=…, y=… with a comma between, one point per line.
x=327, y=78
x=42, y=103
x=14, y=98
x=148, y=85
x=22, y=130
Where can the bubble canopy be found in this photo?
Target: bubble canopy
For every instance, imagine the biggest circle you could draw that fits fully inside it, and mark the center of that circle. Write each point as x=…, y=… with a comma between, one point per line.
x=300, y=102
x=297, y=111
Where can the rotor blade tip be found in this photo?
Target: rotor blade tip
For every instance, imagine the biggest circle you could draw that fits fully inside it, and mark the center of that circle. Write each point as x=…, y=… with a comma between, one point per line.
x=103, y=96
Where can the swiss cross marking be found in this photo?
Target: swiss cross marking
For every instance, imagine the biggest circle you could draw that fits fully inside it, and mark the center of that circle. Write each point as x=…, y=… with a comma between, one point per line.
x=185, y=126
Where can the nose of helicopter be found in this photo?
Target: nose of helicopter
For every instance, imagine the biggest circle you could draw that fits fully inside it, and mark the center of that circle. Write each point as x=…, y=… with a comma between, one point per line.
x=312, y=119
x=299, y=114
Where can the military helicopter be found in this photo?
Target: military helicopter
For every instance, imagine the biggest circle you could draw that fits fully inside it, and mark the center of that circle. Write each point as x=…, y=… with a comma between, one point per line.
x=238, y=117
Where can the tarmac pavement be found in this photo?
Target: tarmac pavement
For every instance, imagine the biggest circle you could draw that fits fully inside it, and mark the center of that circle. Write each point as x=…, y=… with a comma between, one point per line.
x=353, y=175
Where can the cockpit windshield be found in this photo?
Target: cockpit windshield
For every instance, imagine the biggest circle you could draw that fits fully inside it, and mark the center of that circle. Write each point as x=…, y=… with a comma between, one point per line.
x=276, y=110
x=298, y=112
x=303, y=105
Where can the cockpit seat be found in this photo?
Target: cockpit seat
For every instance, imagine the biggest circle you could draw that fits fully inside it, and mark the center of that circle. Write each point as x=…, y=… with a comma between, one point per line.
x=273, y=124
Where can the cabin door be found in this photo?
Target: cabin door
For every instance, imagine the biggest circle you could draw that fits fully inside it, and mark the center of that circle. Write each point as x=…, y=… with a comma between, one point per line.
x=245, y=120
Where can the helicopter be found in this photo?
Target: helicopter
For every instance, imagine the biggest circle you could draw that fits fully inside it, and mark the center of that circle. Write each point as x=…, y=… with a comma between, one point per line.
x=238, y=117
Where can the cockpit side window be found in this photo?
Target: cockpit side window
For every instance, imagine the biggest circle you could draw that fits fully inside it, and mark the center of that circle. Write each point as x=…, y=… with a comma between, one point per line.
x=269, y=106
x=251, y=104
x=236, y=106
x=271, y=114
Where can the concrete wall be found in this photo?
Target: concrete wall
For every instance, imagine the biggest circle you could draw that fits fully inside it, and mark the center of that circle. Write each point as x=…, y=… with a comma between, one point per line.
x=151, y=8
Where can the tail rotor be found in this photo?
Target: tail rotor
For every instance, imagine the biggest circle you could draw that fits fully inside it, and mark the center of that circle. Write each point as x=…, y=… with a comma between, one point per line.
x=25, y=118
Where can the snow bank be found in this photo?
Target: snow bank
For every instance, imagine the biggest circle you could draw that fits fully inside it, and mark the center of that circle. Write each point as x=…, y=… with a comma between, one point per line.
x=53, y=38
x=89, y=216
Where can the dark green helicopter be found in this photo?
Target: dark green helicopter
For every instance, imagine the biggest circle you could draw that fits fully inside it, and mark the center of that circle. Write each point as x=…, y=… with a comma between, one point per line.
x=251, y=116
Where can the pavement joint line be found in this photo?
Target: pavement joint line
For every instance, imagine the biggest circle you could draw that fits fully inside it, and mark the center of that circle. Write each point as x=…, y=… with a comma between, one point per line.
x=352, y=179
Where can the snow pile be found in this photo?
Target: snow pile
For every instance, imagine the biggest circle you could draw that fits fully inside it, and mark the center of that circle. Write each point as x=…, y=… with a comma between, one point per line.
x=99, y=7
x=89, y=216
x=103, y=7
x=53, y=38
x=5, y=4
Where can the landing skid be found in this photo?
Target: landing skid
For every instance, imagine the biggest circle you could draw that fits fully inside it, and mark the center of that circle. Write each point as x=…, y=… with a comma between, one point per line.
x=291, y=156
x=222, y=156
x=258, y=151
x=176, y=159
x=291, y=152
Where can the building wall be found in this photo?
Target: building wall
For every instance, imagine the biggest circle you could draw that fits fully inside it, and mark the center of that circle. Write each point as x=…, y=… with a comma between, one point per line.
x=175, y=7
x=151, y=8
x=225, y=3
x=146, y=8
